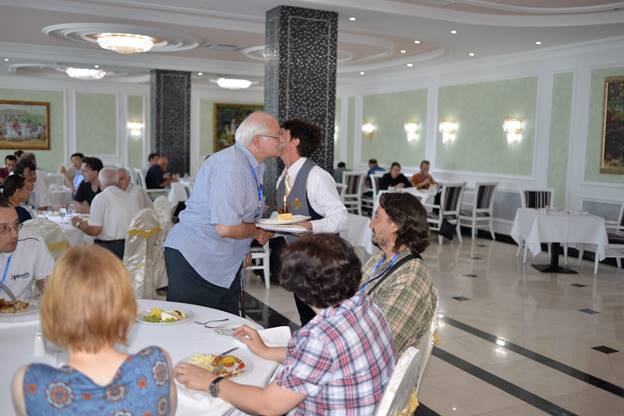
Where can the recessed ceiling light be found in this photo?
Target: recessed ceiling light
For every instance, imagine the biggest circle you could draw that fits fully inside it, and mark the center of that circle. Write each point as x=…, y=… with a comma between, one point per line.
x=471, y=54
x=538, y=42
x=200, y=73
x=6, y=59
x=403, y=51
x=353, y=19
x=233, y=84
x=453, y=32
x=96, y=66
x=417, y=42
x=85, y=73
x=409, y=65
x=362, y=72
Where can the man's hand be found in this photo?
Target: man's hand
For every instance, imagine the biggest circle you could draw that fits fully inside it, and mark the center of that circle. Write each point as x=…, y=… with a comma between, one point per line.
x=193, y=377
x=251, y=339
x=247, y=261
x=263, y=236
x=307, y=225
x=400, y=186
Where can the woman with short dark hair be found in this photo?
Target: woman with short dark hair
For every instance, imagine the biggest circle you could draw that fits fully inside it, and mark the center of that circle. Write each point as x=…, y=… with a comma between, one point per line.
x=16, y=191
x=339, y=363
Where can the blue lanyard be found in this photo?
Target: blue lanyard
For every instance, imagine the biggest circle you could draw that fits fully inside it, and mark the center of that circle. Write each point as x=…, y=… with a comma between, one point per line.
x=392, y=261
x=259, y=185
x=6, y=268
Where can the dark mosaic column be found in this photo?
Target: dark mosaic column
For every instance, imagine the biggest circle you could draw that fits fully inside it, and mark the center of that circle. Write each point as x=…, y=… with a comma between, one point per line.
x=170, y=111
x=300, y=76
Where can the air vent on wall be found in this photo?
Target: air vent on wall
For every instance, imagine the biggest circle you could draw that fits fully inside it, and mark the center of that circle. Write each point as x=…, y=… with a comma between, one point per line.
x=221, y=47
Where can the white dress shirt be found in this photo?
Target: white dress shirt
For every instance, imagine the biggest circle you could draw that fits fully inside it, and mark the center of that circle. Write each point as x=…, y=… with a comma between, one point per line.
x=322, y=196
x=113, y=210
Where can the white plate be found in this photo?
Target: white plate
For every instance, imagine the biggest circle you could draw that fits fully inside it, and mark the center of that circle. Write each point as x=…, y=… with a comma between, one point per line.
x=274, y=221
x=288, y=228
x=244, y=357
x=187, y=313
x=30, y=314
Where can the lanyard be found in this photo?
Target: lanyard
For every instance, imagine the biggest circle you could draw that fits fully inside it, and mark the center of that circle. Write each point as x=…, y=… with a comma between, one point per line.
x=394, y=259
x=6, y=268
x=259, y=185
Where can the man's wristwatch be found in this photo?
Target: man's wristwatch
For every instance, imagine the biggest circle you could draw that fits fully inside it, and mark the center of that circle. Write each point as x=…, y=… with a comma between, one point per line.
x=214, y=389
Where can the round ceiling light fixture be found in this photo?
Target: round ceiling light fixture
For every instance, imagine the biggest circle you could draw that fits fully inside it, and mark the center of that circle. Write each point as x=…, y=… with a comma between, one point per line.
x=85, y=73
x=125, y=43
x=233, y=83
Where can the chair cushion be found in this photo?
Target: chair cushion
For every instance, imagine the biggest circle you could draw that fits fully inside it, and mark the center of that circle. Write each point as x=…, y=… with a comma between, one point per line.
x=616, y=238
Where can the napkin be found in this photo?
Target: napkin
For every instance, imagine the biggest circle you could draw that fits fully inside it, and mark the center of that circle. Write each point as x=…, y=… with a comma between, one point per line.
x=272, y=337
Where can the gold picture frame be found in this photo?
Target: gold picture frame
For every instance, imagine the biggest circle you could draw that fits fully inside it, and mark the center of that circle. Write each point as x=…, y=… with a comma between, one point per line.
x=24, y=125
x=612, y=146
x=226, y=118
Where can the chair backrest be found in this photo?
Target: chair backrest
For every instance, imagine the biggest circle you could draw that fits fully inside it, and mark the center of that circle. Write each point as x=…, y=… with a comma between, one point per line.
x=139, y=178
x=375, y=179
x=341, y=188
x=143, y=256
x=51, y=233
x=354, y=182
x=162, y=206
x=400, y=394
x=536, y=198
x=621, y=218
x=451, y=198
x=484, y=196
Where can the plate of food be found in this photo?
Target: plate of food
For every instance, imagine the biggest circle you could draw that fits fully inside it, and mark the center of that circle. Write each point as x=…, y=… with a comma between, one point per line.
x=284, y=219
x=228, y=365
x=160, y=316
x=15, y=310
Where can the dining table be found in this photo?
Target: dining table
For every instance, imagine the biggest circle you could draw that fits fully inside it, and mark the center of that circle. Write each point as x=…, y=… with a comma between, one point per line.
x=74, y=236
x=547, y=225
x=21, y=343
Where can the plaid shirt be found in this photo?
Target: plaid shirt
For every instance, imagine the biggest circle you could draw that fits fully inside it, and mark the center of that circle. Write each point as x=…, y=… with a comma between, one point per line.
x=341, y=360
x=407, y=298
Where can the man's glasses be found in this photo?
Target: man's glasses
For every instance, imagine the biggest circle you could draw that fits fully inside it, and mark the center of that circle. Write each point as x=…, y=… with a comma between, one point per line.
x=6, y=228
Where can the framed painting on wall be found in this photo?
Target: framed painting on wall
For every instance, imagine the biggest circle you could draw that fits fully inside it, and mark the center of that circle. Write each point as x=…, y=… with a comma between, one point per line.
x=24, y=125
x=226, y=118
x=612, y=153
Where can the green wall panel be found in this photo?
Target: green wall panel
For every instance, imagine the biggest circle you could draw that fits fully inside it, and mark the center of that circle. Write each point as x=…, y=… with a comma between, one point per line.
x=594, y=130
x=46, y=159
x=206, y=144
x=389, y=112
x=135, y=143
x=480, y=110
x=350, y=133
x=96, y=123
x=560, y=135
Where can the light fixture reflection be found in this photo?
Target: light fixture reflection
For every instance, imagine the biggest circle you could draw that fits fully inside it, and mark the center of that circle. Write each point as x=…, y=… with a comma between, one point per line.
x=125, y=43
x=85, y=73
x=449, y=131
x=233, y=84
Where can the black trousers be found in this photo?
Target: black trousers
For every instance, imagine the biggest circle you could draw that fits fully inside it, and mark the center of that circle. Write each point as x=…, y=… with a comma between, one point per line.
x=187, y=286
x=117, y=247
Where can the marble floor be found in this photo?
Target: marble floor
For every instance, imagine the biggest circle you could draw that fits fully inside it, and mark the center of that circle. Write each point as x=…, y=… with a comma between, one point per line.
x=514, y=341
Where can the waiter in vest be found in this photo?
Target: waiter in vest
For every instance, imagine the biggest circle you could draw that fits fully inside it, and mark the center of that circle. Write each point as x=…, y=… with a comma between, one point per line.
x=304, y=188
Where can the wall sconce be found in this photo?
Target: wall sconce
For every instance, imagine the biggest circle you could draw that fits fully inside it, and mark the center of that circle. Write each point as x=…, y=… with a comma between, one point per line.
x=411, y=130
x=135, y=129
x=513, y=129
x=369, y=129
x=449, y=131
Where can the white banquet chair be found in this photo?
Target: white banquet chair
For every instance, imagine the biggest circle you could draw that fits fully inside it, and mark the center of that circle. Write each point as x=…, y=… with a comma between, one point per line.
x=139, y=179
x=369, y=202
x=400, y=398
x=51, y=233
x=615, y=248
x=353, y=194
x=165, y=209
x=482, y=209
x=341, y=188
x=143, y=255
x=260, y=260
x=448, y=209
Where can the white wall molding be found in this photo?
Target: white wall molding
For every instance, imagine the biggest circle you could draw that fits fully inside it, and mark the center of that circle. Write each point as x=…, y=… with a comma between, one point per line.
x=357, y=132
x=543, y=120
x=69, y=137
x=431, y=130
x=343, y=128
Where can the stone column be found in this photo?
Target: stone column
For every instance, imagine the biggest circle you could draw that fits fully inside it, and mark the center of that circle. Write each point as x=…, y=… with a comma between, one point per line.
x=170, y=114
x=300, y=76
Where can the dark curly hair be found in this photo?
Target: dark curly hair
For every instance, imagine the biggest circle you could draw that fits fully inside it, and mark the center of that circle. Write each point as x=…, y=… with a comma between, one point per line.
x=11, y=184
x=321, y=269
x=309, y=135
x=406, y=211
x=25, y=164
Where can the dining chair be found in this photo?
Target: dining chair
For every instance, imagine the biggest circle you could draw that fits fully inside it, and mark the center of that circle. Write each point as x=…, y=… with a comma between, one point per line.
x=51, y=233
x=400, y=395
x=353, y=193
x=139, y=179
x=261, y=260
x=448, y=209
x=537, y=199
x=481, y=209
x=164, y=209
x=368, y=200
x=143, y=254
x=615, y=248
x=341, y=188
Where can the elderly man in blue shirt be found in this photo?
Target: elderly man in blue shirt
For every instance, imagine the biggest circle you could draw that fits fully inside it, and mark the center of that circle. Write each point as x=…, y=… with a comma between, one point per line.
x=206, y=249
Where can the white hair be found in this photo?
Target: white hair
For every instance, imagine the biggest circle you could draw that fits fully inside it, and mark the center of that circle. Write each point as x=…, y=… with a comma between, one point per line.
x=125, y=171
x=254, y=124
x=107, y=177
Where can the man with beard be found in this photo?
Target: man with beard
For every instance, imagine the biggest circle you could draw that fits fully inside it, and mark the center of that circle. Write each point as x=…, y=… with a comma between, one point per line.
x=397, y=279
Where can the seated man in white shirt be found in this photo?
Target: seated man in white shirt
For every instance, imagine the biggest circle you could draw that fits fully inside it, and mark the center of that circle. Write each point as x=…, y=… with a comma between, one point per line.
x=24, y=257
x=307, y=189
x=112, y=210
x=124, y=182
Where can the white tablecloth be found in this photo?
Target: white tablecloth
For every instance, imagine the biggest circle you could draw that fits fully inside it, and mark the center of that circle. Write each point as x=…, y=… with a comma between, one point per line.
x=74, y=236
x=177, y=191
x=58, y=196
x=55, y=179
x=536, y=226
x=179, y=340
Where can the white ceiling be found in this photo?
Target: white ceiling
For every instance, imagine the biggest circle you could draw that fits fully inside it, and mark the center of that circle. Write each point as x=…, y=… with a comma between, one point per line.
x=235, y=29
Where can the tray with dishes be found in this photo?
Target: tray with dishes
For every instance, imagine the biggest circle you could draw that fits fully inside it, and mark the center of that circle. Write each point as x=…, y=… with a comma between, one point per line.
x=284, y=219
x=18, y=310
x=228, y=366
x=160, y=316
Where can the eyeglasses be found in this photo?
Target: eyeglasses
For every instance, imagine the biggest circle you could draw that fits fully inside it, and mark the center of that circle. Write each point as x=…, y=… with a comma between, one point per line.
x=6, y=228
